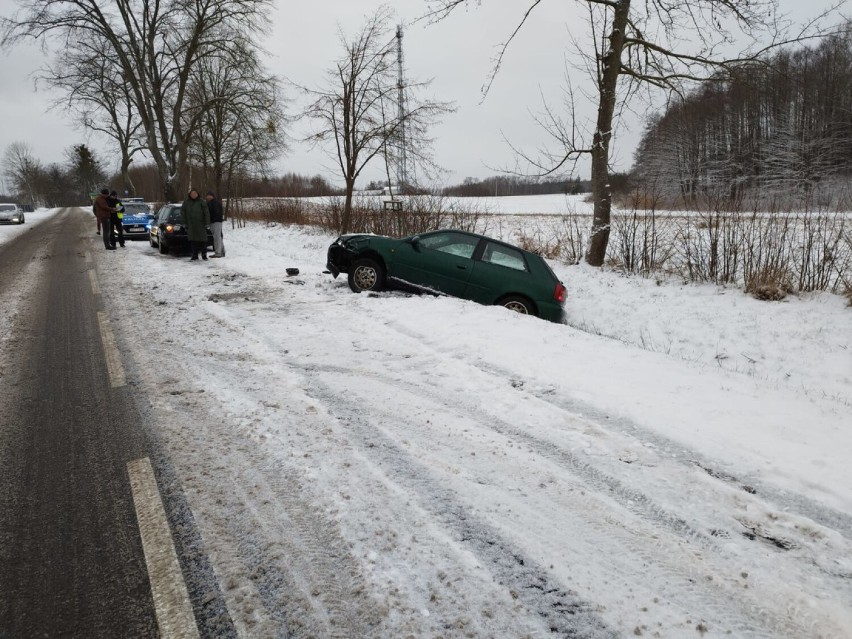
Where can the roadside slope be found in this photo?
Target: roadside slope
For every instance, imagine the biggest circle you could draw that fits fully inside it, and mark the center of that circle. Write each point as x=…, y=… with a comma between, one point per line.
x=390, y=465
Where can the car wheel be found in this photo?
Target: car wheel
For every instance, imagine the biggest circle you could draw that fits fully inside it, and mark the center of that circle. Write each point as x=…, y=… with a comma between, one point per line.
x=164, y=250
x=519, y=304
x=366, y=275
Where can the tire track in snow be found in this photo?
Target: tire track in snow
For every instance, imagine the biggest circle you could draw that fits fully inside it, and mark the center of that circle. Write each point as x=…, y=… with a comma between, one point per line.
x=307, y=581
x=303, y=575
x=728, y=606
x=674, y=451
x=565, y=614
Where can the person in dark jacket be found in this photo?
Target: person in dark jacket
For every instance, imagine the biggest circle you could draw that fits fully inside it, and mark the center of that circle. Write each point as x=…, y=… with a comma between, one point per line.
x=117, y=215
x=196, y=217
x=103, y=211
x=217, y=216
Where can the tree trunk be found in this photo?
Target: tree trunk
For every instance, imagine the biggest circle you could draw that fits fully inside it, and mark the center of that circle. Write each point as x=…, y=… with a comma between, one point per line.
x=346, y=220
x=601, y=191
x=129, y=188
x=171, y=186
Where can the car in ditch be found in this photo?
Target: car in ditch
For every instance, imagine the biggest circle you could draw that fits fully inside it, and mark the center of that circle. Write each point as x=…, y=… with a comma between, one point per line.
x=11, y=213
x=136, y=219
x=451, y=262
x=167, y=231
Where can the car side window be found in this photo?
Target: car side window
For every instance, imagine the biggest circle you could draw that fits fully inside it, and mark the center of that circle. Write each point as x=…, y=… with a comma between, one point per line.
x=504, y=256
x=457, y=244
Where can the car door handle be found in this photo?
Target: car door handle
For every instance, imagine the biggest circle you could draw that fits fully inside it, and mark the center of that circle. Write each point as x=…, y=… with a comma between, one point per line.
x=461, y=266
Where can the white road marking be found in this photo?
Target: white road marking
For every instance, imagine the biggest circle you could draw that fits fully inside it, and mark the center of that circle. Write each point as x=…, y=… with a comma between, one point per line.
x=113, y=360
x=171, y=598
x=93, y=279
x=88, y=257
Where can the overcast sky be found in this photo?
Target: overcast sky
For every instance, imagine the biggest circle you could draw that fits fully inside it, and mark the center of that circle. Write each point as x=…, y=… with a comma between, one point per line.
x=456, y=53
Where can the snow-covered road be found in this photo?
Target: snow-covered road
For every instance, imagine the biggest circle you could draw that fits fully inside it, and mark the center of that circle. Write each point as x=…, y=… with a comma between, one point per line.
x=393, y=465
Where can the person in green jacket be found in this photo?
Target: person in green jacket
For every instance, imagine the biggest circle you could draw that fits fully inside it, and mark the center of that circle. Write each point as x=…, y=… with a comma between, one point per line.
x=196, y=218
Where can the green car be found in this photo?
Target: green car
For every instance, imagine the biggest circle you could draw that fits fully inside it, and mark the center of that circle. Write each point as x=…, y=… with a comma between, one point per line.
x=457, y=263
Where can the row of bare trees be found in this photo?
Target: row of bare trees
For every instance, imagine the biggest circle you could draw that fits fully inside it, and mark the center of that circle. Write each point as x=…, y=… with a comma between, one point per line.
x=30, y=182
x=782, y=125
x=178, y=81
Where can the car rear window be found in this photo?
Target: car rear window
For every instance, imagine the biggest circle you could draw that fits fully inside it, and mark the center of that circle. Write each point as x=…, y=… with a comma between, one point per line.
x=504, y=256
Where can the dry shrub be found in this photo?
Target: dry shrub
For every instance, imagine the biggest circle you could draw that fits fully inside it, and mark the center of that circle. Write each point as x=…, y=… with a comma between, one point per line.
x=564, y=239
x=418, y=215
x=270, y=210
x=768, y=287
x=535, y=242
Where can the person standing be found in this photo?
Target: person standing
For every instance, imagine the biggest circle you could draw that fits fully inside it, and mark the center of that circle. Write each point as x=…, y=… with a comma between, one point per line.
x=196, y=217
x=103, y=211
x=117, y=217
x=217, y=216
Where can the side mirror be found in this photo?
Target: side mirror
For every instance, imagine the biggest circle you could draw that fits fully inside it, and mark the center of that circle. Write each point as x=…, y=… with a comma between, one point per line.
x=415, y=242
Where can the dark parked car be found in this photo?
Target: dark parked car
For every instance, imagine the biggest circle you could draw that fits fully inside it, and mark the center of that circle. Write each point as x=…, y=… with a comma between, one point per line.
x=454, y=263
x=168, y=230
x=11, y=213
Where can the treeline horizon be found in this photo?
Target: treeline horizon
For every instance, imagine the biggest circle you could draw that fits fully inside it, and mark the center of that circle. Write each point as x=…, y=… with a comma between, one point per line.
x=782, y=126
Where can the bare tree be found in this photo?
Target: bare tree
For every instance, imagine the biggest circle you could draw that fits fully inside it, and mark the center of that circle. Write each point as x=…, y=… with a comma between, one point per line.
x=22, y=171
x=93, y=91
x=156, y=45
x=241, y=127
x=352, y=110
x=658, y=44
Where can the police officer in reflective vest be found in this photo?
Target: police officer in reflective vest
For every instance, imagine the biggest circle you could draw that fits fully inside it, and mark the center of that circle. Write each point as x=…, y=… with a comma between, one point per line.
x=117, y=217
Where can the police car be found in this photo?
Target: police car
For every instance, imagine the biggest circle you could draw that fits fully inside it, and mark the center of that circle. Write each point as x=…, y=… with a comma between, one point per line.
x=137, y=216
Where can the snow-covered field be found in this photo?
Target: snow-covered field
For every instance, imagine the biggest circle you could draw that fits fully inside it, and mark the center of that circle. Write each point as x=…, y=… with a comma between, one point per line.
x=553, y=204
x=675, y=462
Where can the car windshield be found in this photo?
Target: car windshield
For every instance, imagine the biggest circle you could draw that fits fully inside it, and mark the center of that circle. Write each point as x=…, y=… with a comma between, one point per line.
x=136, y=209
x=174, y=215
x=7, y=207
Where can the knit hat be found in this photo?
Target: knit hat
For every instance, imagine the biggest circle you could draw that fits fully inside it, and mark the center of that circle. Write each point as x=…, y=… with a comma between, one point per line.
x=104, y=191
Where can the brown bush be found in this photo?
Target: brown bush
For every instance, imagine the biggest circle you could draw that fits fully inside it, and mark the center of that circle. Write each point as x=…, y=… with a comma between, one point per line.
x=770, y=290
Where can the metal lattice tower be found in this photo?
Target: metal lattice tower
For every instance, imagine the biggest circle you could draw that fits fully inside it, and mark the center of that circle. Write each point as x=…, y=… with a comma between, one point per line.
x=401, y=159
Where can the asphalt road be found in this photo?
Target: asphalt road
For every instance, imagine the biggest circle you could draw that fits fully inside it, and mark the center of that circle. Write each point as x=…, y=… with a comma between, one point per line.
x=71, y=554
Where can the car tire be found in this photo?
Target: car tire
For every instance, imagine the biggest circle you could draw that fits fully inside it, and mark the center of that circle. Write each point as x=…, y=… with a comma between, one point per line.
x=366, y=274
x=519, y=304
x=164, y=249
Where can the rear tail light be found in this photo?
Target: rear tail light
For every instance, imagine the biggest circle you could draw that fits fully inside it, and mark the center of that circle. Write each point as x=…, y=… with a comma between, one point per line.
x=559, y=293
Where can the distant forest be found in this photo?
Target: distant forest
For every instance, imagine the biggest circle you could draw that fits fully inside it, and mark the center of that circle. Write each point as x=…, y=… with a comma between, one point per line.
x=779, y=127
x=515, y=185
